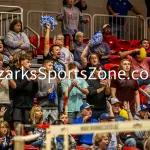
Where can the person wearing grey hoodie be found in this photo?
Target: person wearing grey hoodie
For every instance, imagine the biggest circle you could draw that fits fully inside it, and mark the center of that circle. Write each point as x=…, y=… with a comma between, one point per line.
x=16, y=40
x=71, y=17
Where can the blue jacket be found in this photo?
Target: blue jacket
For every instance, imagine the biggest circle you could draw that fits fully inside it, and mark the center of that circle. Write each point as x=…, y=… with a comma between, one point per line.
x=85, y=138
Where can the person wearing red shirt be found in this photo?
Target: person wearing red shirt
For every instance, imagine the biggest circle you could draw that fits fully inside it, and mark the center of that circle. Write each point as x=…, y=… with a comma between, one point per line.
x=110, y=39
x=124, y=87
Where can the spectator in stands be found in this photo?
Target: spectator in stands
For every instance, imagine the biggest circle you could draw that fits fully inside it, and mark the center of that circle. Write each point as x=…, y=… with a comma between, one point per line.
x=125, y=87
x=115, y=107
x=6, y=58
x=102, y=50
x=109, y=39
x=115, y=140
x=65, y=55
x=81, y=4
x=142, y=114
x=5, y=82
x=98, y=90
x=64, y=117
x=16, y=40
x=145, y=44
x=77, y=87
x=46, y=87
x=71, y=18
x=140, y=66
x=101, y=141
x=116, y=8
x=53, y=52
x=36, y=117
x=93, y=60
x=25, y=91
x=58, y=142
x=86, y=112
x=77, y=47
x=6, y=138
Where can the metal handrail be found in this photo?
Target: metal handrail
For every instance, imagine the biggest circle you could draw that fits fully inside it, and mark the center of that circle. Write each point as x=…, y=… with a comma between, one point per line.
x=17, y=7
x=106, y=15
x=38, y=45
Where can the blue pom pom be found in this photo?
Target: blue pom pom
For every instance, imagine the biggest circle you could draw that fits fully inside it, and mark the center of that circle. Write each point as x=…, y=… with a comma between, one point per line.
x=52, y=96
x=97, y=39
x=48, y=19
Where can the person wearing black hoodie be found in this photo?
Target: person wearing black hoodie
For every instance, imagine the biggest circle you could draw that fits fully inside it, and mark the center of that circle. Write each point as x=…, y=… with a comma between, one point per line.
x=27, y=87
x=98, y=91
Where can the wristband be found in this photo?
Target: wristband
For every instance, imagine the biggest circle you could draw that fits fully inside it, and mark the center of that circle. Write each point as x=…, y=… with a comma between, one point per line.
x=129, y=111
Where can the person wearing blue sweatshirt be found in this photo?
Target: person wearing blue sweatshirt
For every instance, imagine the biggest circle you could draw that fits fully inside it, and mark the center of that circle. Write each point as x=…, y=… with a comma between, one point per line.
x=86, y=112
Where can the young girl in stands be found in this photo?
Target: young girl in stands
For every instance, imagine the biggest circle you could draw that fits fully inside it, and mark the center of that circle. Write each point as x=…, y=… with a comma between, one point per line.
x=16, y=40
x=101, y=141
x=36, y=117
x=77, y=87
x=6, y=138
x=71, y=17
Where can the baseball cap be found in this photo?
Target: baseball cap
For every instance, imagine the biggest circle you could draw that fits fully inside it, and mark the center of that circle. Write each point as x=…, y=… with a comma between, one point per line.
x=85, y=105
x=142, y=107
x=114, y=100
x=105, y=25
x=106, y=116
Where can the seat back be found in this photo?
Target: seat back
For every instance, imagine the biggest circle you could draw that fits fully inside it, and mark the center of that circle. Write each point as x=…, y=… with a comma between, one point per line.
x=123, y=45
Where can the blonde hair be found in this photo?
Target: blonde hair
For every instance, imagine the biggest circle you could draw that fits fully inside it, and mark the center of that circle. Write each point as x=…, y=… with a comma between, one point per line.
x=78, y=34
x=33, y=113
x=121, y=65
x=56, y=37
x=6, y=124
x=99, y=137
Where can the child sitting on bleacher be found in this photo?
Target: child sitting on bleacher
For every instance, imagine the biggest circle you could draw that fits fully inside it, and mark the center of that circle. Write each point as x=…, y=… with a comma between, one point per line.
x=6, y=138
x=16, y=40
x=71, y=17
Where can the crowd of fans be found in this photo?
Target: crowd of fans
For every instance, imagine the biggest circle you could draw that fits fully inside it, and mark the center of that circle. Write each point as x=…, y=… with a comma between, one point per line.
x=87, y=100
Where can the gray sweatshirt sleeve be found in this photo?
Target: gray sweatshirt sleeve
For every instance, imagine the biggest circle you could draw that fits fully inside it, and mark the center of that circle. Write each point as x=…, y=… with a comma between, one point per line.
x=10, y=42
x=41, y=94
x=26, y=45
